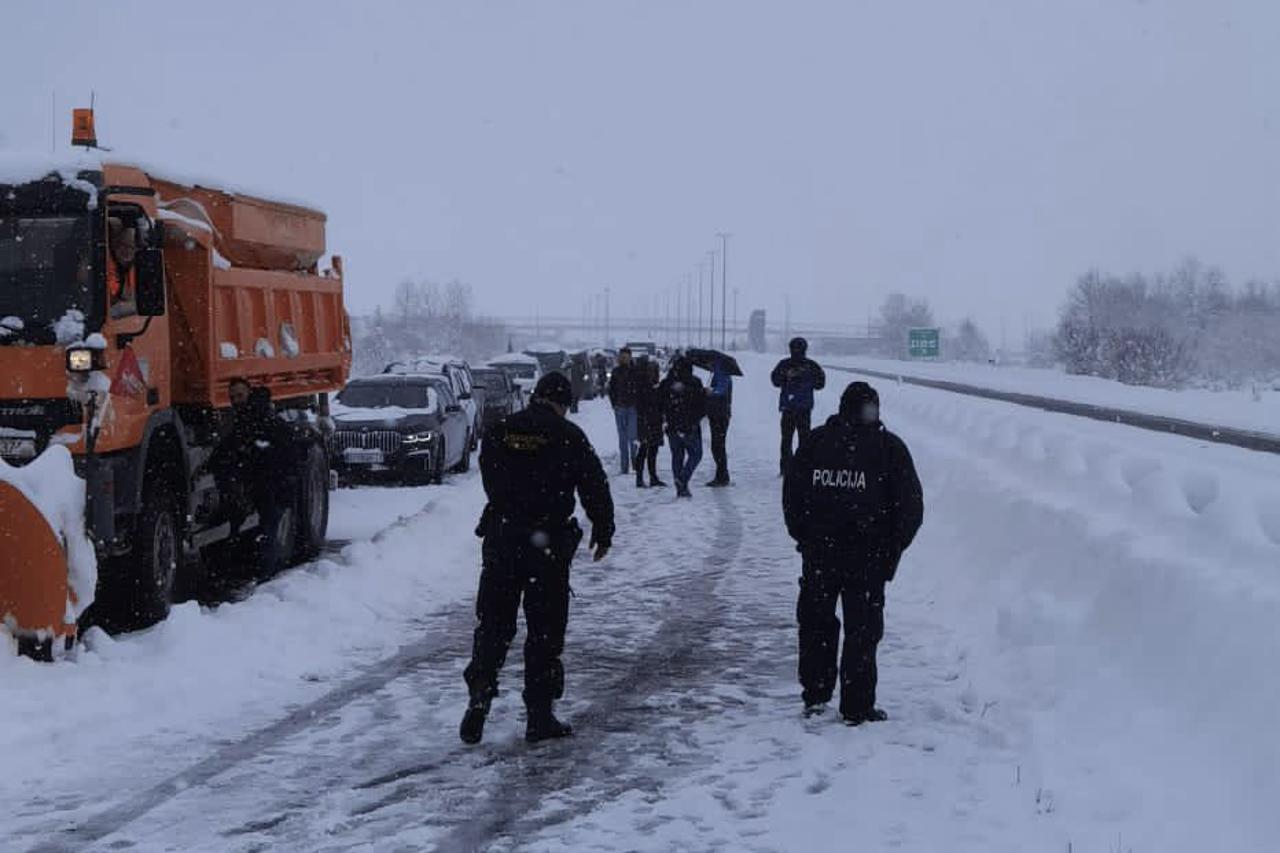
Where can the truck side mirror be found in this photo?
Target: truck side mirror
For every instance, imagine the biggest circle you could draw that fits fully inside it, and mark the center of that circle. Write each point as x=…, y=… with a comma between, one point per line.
x=150, y=294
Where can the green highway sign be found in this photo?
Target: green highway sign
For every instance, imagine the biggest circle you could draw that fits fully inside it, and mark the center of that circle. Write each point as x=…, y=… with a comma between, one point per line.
x=924, y=343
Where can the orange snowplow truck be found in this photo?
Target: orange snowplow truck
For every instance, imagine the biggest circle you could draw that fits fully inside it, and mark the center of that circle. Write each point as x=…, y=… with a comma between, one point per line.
x=128, y=304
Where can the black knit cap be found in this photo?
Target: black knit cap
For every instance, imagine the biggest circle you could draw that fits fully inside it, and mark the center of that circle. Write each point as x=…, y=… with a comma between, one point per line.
x=554, y=388
x=860, y=404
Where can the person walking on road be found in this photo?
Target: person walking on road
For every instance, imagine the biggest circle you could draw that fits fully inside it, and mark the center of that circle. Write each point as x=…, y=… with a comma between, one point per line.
x=649, y=416
x=684, y=405
x=853, y=503
x=798, y=377
x=719, y=412
x=532, y=464
x=624, y=393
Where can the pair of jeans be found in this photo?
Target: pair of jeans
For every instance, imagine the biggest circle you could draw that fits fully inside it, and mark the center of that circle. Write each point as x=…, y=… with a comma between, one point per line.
x=719, y=412
x=792, y=423
x=686, y=454
x=628, y=435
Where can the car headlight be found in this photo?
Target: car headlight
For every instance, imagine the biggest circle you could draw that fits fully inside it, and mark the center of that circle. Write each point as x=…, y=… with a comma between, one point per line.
x=420, y=438
x=84, y=360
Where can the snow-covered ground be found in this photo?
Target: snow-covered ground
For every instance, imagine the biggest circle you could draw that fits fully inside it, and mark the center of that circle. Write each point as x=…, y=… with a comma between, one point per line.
x=1239, y=409
x=1079, y=656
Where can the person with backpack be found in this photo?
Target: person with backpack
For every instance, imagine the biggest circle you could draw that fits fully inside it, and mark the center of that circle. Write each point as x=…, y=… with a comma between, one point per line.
x=853, y=503
x=797, y=378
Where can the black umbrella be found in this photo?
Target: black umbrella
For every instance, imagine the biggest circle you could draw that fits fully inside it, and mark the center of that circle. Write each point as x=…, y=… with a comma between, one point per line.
x=707, y=359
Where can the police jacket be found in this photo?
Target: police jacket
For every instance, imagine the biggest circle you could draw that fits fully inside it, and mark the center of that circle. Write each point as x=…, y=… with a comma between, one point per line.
x=684, y=402
x=797, y=378
x=624, y=385
x=532, y=463
x=852, y=485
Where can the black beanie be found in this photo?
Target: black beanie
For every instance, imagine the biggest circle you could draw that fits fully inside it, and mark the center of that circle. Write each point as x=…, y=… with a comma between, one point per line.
x=554, y=388
x=799, y=346
x=860, y=404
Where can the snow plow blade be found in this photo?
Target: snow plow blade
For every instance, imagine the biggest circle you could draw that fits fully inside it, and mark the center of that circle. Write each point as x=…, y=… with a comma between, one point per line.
x=34, y=588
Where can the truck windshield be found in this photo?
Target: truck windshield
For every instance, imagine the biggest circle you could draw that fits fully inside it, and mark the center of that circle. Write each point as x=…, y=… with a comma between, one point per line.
x=383, y=396
x=44, y=274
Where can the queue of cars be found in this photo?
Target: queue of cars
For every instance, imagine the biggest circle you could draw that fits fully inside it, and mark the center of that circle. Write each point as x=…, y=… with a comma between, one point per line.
x=422, y=418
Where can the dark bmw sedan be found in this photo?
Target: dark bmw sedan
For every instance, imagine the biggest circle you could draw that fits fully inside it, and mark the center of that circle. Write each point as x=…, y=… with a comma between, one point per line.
x=404, y=427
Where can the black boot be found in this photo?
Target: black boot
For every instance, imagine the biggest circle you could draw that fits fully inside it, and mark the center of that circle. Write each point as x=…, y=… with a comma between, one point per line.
x=543, y=725
x=472, y=729
x=875, y=715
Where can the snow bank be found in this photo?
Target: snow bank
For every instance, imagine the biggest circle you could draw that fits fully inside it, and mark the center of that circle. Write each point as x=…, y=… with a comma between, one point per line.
x=50, y=483
x=1237, y=409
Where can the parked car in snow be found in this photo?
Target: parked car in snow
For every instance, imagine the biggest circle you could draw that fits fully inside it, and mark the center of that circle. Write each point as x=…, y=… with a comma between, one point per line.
x=501, y=396
x=524, y=370
x=406, y=427
x=458, y=372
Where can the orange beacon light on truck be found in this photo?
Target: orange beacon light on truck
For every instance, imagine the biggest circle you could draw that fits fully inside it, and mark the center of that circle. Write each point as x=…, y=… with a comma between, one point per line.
x=82, y=129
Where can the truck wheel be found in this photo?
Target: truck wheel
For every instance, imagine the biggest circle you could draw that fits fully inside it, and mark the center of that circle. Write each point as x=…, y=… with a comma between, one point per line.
x=313, y=506
x=152, y=568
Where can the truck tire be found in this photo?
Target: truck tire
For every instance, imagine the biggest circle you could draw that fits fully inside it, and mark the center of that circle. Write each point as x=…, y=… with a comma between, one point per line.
x=150, y=579
x=313, y=505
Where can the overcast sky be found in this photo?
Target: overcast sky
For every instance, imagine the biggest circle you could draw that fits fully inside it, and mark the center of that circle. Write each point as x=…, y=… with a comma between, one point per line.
x=980, y=153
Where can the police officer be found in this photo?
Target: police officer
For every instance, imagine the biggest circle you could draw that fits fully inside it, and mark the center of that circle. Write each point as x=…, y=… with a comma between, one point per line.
x=532, y=463
x=853, y=503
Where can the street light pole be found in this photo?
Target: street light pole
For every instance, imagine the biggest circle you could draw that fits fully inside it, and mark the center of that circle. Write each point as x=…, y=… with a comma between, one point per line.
x=711, y=302
x=724, y=290
x=606, y=317
x=702, y=268
x=735, y=315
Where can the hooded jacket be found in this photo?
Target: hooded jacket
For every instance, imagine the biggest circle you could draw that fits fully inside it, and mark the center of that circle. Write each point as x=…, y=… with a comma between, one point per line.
x=854, y=486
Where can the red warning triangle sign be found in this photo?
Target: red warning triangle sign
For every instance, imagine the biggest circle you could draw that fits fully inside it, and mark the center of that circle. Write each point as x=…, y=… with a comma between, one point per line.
x=129, y=381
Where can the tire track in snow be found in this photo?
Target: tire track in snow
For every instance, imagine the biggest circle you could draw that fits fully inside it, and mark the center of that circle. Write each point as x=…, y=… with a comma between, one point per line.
x=444, y=630
x=677, y=655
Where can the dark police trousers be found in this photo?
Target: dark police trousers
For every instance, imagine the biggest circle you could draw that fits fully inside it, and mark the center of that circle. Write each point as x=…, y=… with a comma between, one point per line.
x=792, y=423
x=719, y=412
x=856, y=577
x=515, y=569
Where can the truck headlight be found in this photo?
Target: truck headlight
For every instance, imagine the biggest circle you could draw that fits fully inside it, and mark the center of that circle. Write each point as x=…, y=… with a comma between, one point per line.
x=84, y=360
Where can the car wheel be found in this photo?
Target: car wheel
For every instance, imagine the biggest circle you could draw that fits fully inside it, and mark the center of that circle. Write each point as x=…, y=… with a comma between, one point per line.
x=464, y=464
x=437, y=471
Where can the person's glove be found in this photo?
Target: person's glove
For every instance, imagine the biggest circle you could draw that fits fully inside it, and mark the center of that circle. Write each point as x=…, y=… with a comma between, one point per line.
x=600, y=547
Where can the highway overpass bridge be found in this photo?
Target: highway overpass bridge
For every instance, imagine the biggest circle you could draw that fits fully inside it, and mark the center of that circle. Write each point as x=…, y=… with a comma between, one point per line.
x=830, y=338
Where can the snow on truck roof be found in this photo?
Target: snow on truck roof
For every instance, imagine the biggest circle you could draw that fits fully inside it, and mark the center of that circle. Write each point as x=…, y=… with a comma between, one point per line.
x=20, y=167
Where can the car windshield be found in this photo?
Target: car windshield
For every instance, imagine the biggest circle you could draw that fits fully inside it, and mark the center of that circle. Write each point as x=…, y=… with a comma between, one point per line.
x=44, y=273
x=488, y=378
x=379, y=395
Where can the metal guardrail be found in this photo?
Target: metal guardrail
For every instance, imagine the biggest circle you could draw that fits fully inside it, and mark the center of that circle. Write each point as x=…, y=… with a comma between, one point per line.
x=1249, y=440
